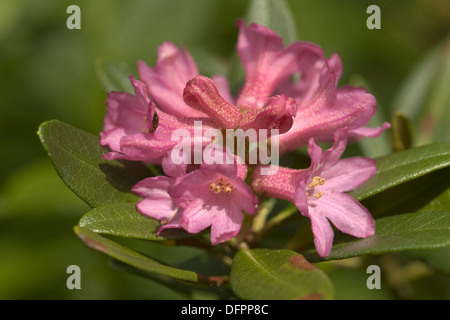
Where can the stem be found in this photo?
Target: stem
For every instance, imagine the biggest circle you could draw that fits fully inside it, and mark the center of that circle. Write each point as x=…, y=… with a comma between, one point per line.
x=214, y=250
x=261, y=215
x=277, y=220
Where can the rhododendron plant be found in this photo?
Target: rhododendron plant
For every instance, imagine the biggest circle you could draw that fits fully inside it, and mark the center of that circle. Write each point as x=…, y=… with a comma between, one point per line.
x=265, y=174
x=319, y=191
x=268, y=64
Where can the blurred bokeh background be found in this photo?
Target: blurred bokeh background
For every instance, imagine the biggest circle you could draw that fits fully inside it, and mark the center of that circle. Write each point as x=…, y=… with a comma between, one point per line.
x=49, y=72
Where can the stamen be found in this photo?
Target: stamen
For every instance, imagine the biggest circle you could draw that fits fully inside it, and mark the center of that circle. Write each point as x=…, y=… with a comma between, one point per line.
x=221, y=185
x=316, y=181
x=318, y=194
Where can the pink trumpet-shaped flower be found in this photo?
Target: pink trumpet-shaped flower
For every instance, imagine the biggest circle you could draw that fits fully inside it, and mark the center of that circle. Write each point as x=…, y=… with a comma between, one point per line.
x=135, y=129
x=319, y=192
x=167, y=79
x=127, y=115
x=212, y=196
x=320, y=114
x=268, y=63
x=156, y=202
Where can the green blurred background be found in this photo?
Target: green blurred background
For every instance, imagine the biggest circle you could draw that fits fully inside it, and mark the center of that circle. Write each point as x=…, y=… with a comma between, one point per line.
x=49, y=72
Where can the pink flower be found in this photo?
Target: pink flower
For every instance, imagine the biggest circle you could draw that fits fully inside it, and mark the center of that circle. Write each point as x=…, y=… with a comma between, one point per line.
x=276, y=113
x=268, y=63
x=156, y=202
x=319, y=192
x=135, y=129
x=212, y=196
x=323, y=108
x=173, y=96
x=166, y=81
x=126, y=115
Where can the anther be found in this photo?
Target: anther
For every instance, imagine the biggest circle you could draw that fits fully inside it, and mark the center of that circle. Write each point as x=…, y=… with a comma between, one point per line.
x=221, y=185
x=318, y=194
x=316, y=181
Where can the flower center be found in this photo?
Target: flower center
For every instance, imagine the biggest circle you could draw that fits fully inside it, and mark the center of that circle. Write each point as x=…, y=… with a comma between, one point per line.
x=221, y=185
x=315, y=182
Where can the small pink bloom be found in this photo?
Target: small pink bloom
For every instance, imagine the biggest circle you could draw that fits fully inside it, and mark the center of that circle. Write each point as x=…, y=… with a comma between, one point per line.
x=268, y=63
x=329, y=110
x=135, y=129
x=319, y=192
x=156, y=202
x=167, y=79
x=277, y=113
x=202, y=94
x=126, y=115
x=212, y=196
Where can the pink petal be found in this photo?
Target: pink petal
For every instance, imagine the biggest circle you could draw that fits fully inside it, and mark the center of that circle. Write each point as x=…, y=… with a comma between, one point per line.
x=174, y=223
x=347, y=214
x=141, y=147
x=194, y=185
x=167, y=79
x=226, y=222
x=358, y=133
x=224, y=88
x=126, y=115
x=348, y=174
x=277, y=113
x=336, y=65
x=156, y=203
x=267, y=63
x=148, y=147
x=171, y=169
x=323, y=232
x=246, y=200
x=226, y=163
x=329, y=110
x=315, y=153
x=162, y=209
x=111, y=137
x=300, y=198
x=201, y=94
x=321, y=227
x=332, y=155
x=281, y=185
x=196, y=216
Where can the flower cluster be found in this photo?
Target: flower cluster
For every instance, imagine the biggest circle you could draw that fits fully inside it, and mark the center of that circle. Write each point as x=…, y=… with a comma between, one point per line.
x=291, y=91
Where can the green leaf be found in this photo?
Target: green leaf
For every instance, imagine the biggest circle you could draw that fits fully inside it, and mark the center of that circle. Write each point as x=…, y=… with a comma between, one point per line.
x=120, y=219
x=419, y=230
x=426, y=193
x=403, y=166
x=424, y=97
x=114, y=75
x=131, y=257
x=277, y=275
x=77, y=157
x=275, y=15
x=123, y=220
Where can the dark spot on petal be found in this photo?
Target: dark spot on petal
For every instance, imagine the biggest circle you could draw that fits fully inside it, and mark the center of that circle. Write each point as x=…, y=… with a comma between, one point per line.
x=298, y=261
